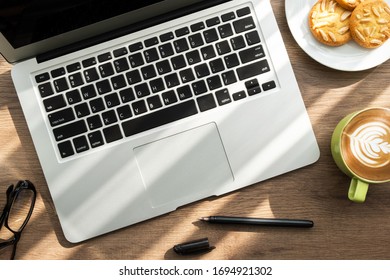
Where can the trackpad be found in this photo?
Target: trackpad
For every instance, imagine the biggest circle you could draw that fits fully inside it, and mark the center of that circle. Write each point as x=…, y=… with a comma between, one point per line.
x=184, y=167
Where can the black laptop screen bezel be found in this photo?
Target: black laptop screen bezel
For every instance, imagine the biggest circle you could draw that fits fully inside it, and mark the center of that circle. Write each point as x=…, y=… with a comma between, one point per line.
x=134, y=15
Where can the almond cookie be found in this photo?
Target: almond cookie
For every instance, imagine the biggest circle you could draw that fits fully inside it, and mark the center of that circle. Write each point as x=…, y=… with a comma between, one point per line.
x=349, y=4
x=329, y=23
x=370, y=23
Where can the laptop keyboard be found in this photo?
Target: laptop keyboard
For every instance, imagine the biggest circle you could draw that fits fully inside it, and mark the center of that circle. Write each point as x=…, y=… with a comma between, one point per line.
x=155, y=81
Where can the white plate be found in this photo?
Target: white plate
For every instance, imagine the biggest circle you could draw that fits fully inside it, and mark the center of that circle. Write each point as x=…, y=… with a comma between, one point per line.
x=349, y=57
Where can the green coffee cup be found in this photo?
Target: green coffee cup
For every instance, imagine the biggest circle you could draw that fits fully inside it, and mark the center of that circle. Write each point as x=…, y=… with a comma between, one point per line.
x=361, y=149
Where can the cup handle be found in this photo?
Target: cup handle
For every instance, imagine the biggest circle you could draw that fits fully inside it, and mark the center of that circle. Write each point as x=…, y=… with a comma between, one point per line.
x=357, y=190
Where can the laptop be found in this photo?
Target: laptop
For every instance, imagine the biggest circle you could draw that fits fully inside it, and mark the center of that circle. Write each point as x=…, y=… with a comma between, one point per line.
x=137, y=108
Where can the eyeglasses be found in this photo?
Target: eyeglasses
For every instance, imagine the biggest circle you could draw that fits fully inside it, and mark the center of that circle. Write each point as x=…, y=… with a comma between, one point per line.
x=16, y=213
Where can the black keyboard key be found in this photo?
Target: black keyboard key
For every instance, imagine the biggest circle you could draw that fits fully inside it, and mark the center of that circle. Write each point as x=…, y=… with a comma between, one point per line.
x=239, y=95
x=70, y=130
x=135, y=47
x=196, y=40
x=151, y=42
x=80, y=144
x=94, y=122
x=154, y=102
x=178, y=62
x=243, y=25
x=76, y=80
x=197, y=26
x=66, y=149
x=223, y=97
x=119, y=52
x=139, y=107
x=231, y=60
x=112, y=133
x=163, y=67
x=121, y=65
x=127, y=95
x=199, y=87
x=73, y=96
x=166, y=50
x=269, y=85
x=91, y=75
x=217, y=65
x=136, y=60
x=104, y=57
x=95, y=139
x=202, y=70
x=82, y=110
x=225, y=30
x=167, y=36
x=112, y=100
x=103, y=86
x=223, y=47
x=206, y=102
x=58, y=72
x=157, y=85
x=96, y=105
x=171, y=80
x=159, y=118
x=253, y=69
x=254, y=90
x=118, y=82
x=210, y=35
x=244, y=11
x=54, y=103
x=193, y=57
x=142, y=90
x=169, y=97
x=45, y=90
x=252, y=37
x=229, y=77
x=124, y=112
x=109, y=117
x=182, y=32
x=251, y=54
x=133, y=77
x=61, y=84
x=61, y=117
x=238, y=42
x=42, y=77
x=214, y=82
x=88, y=92
x=186, y=75
x=228, y=16
x=148, y=72
x=73, y=67
x=151, y=55
x=106, y=70
x=89, y=62
x=181, y=45
x=208, y=52
x=184, y=92
x=213, y=21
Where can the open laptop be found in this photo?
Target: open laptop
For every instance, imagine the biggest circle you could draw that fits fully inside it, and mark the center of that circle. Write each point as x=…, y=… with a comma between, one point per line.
x=138, y=107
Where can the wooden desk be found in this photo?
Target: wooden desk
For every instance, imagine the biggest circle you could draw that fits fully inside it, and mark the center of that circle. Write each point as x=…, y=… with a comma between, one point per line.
x=343, y=229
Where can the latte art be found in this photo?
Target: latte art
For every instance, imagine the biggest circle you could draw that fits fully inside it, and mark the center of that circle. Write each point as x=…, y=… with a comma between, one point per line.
x=370, y=146
x=365, y=145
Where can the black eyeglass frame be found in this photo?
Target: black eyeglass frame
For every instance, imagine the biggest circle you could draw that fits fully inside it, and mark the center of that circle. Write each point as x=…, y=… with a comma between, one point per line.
x=12, y=193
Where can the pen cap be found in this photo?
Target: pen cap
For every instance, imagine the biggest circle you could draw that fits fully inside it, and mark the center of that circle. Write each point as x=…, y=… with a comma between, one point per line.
x=192, y=247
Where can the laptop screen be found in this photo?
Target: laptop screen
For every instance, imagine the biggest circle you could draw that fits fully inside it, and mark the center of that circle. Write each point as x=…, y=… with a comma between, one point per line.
x=30, y=27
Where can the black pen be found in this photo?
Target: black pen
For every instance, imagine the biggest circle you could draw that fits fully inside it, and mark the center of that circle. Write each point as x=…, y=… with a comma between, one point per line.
x=258, y=221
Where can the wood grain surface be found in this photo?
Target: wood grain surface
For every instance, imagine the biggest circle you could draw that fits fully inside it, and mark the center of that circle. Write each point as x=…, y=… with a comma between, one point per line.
x=342, y=230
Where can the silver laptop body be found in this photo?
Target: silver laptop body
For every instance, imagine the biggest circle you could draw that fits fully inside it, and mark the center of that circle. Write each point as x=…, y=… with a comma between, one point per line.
x=243, y=123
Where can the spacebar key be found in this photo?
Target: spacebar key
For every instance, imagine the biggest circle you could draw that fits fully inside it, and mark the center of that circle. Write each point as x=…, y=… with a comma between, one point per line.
x=158, y=118
x=254, y=69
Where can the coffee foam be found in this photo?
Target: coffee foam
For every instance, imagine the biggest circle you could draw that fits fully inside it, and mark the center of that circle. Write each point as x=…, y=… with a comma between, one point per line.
x=366, y=145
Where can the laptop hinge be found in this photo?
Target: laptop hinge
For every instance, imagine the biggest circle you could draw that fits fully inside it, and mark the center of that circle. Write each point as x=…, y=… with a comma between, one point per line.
x=127, y=30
